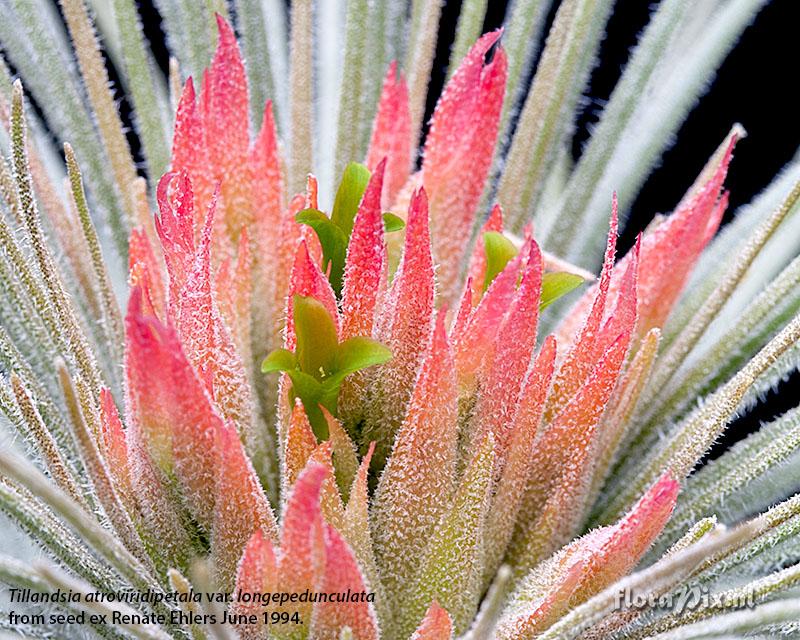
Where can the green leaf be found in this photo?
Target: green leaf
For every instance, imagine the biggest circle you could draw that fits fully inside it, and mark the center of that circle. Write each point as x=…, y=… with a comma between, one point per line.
x=312, y=395
x=359, y=353
x=333, y=241
x=348, y=196
x=334, y=232
x=320, y=364
x=317, y=341
x=499, y=251
x=354, y=355
x=392, y=222
x=556, y=285
x=312, y=217
x=449, y=572
x=279, y=360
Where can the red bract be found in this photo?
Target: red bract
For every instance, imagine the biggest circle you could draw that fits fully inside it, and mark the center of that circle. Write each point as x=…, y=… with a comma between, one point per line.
x=459, y=150
x=435, y=626
x=588, y=565
x=312, y=555
x=391, y=135
x=364, y=274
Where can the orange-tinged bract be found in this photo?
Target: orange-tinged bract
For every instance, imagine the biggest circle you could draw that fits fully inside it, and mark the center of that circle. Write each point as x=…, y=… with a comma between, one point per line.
x=588, y=565
x=391, y=135
x=436, y=625
x=376, y=412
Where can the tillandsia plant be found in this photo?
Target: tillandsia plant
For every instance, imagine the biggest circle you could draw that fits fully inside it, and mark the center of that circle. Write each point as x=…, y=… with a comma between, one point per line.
x=380, y=403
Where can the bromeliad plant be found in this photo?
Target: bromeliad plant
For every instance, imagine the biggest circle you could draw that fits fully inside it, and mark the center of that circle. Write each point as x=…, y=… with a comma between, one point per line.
x=380, y=402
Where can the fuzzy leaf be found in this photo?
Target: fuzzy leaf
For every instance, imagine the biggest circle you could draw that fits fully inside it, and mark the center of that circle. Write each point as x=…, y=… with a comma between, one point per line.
x=391, y=135
x=300, y=444
x=462, y=133
x=405, y=324
x=500, y=384
x=587, y=565
x=330, y=500
x=559, y=481
x=475, y=330
x=206, y=340
x=240, y=509
x=365, y=276
x=302, y=544
x=417, y=483
x=145, y=272
x=451, y=570
x=168, y=402
x=257, y=573
x=513, y=482
x=342, y=574
x=582, y=340
x=345, y=460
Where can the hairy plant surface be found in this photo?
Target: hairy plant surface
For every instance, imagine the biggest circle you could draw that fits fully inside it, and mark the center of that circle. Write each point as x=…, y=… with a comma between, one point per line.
x=415, y=383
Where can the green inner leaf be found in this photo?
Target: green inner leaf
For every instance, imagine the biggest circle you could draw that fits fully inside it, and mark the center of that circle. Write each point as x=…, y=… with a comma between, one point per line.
x=320, y=364
x=333, y=242
x=279, y=360
x=334, y=232
x=499, y=252
x=359, y=353
x=348, y=196
x=392, y=222
x=317, y=341
x=312, y=394
x=556, y=285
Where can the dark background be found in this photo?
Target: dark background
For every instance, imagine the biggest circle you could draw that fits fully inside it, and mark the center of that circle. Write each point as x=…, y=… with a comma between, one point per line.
x=755, y=86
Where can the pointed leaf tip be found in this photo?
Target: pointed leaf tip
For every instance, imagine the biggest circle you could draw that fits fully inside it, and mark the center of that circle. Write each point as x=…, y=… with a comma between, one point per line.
x=436, y=625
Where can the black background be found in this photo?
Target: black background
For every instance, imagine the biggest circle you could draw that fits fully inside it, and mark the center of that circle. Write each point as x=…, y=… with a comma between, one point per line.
x=755, y=86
